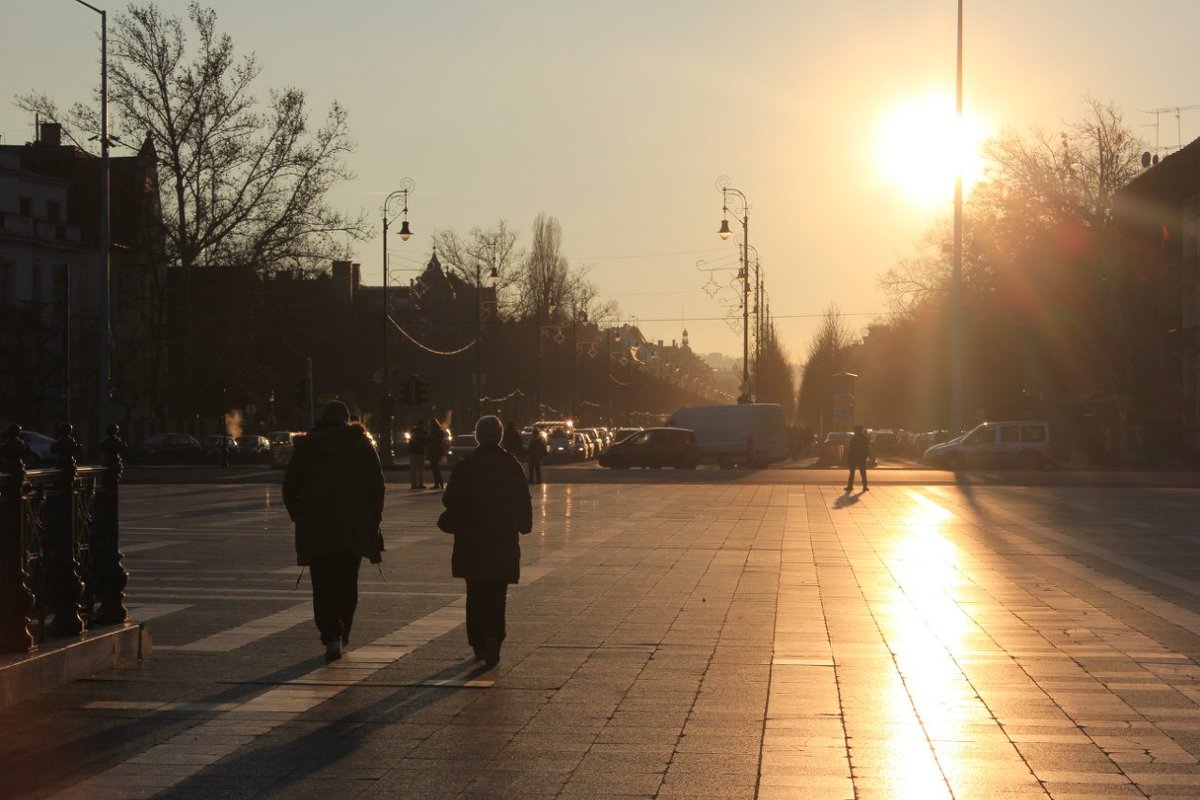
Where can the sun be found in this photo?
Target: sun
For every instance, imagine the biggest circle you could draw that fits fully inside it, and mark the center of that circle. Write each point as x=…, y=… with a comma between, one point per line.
x=922, y=145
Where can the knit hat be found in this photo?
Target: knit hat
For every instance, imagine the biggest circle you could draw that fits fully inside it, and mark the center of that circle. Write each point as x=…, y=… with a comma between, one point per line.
x=335, y=409
x=488, y=430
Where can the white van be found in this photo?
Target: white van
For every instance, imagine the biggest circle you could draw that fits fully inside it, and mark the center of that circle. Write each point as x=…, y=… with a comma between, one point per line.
x=990, y=445
x=749, y=434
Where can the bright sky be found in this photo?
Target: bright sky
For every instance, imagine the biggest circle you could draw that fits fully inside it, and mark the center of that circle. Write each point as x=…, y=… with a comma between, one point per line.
x=618, y=117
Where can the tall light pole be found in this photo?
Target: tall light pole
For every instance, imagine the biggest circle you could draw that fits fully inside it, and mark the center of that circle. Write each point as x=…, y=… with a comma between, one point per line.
x=387, y=404
x=492, y=278
x=105, y=337
x=956, y=299
x=576, y=312
x=744, y=218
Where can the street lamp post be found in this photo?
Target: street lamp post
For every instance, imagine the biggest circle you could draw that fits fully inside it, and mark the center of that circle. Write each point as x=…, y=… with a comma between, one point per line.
x=956, y=301
x=105, y=337
x=575, y=319
x=492, y=278
x=744, y=218
x=387, y=403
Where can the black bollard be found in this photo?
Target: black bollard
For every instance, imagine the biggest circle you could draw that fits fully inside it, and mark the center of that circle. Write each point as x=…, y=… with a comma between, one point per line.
x=16, y=601
x=108, y=575
x=62, y=538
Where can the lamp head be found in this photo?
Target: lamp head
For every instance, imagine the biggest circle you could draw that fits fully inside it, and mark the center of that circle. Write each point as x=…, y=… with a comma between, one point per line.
x=405, y=233
x=493, y=276
x=724, y=231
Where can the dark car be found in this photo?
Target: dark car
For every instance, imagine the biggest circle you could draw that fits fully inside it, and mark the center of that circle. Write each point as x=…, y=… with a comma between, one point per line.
x=460, y=446
x=653, y=448
x=621, y=434
x=41, y=446
x=215, y=448
x=254, y=449
x=167, y=448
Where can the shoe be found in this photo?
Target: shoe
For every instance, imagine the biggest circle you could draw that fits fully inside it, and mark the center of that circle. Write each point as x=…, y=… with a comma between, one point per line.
x=479, y=654
x=491, y=651
x=849, y=489
x=333, y=651
x=866, y=488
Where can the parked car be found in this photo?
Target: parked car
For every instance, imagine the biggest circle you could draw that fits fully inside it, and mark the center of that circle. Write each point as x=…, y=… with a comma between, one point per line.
x=835, y=450
x=992, y=445
x=653, y=448
x=460, y=446
x=214, y=448
x=623, y=433
x=40, y=446
x=588, y=443
x=561, y=445
x=254, y=449
x=884, y=442
x=166, y=448
x=282, y=443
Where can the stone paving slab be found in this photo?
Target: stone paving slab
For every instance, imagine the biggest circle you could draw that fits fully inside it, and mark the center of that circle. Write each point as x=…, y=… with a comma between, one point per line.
x=753, y=640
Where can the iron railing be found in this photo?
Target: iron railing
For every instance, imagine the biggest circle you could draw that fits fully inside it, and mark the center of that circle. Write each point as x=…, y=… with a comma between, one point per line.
x=60, y=562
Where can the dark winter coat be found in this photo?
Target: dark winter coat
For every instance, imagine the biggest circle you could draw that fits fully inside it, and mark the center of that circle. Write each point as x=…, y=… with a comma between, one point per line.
x=333, y=490
x=489, y=497
x=435, y=444
x=417, y=440
x=512, y=442
x=859, y=450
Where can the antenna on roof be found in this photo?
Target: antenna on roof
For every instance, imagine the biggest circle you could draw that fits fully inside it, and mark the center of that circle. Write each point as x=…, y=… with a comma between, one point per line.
x=1177, y=111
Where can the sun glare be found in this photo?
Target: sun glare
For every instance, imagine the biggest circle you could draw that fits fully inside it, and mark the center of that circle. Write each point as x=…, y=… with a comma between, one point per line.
x=922, y=145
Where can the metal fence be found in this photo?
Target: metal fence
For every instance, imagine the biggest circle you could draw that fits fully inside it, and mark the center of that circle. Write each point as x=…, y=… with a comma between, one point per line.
x=60, y=562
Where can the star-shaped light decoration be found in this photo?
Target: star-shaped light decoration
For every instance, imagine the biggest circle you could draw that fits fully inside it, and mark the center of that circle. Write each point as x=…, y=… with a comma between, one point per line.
x=559, y=336
x=711, y=287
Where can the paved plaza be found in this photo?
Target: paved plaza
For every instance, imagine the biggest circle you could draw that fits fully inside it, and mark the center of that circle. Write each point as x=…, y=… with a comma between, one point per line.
x=668, y=640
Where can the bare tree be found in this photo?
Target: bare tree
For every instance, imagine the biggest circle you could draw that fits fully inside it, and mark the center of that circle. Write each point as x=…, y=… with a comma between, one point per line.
x=240, y=185
x=826, y=355
x=545, y=281
x=481, y=252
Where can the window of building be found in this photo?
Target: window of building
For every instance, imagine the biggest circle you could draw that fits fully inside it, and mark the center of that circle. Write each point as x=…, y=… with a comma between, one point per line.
x=53, y=210
x=25, y=206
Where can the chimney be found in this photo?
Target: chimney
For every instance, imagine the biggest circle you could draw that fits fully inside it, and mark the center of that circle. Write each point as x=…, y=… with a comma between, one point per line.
x=51, y=135
x=343, y=281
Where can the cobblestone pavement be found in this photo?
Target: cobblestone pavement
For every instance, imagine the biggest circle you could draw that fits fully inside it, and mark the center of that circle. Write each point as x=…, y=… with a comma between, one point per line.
x=682, y=641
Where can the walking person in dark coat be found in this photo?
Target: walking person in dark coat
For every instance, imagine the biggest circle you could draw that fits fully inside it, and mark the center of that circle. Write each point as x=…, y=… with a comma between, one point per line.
x=859, y=451
x=488, y=504
x=333, y=490
x=512, y=440
x=435, y=448
x=417, y=439
x=537, y=451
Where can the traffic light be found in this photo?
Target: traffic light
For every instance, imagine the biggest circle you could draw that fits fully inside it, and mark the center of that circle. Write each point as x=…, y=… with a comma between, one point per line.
x=420, y=389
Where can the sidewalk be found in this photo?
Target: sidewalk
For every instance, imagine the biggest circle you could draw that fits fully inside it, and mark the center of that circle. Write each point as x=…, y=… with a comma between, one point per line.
x=684, y=641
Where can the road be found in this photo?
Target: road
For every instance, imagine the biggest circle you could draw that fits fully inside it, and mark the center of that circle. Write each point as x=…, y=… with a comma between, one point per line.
x=674, y=635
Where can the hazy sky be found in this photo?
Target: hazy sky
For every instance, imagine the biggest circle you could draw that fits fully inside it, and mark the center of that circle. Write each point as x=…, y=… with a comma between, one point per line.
x=618, y=117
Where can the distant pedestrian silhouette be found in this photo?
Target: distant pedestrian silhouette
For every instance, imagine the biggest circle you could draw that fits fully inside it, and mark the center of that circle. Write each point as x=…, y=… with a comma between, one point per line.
x=859, y=451
x=435, y=447
x=537, y=452
x=417, y=439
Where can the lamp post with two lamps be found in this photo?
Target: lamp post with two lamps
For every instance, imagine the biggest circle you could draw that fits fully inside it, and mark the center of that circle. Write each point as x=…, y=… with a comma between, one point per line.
x=387, y=405
x=744, y=218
